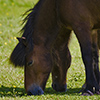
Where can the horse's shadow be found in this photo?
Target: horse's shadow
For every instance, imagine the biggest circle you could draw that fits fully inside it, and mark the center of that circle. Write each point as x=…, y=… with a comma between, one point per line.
x=11, y=91
x=16, y=91
x=70, y=91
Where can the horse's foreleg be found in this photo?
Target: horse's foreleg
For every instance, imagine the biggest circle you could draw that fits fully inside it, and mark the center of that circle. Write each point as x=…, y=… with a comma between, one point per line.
x=61, y=61
x=95, y=57
x=95, y=54
x=98, y=38
x=84, y=37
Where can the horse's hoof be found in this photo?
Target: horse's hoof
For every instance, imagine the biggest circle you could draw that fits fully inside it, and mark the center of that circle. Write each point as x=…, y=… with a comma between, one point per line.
x=87, y=93
x=97, y=92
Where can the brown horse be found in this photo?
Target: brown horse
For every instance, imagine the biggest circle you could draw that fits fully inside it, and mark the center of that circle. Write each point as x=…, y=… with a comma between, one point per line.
x=43, y=47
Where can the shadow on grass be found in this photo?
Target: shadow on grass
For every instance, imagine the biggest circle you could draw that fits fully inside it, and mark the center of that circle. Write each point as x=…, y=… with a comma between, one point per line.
x=11, y=91
x=71, y=91
x=15, y=92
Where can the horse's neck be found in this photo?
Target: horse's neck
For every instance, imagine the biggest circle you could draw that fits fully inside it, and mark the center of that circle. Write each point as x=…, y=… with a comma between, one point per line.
x=46, y=15
x=46, y=21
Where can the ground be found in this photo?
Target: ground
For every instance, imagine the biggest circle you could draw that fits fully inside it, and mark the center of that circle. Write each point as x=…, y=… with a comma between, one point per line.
x=12, y=79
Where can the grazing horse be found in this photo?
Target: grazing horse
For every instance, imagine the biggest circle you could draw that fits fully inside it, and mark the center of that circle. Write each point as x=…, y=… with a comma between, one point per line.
x=43, y=47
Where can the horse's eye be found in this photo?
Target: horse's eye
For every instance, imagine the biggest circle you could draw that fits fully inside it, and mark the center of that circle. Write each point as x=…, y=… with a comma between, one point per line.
x=30, y=63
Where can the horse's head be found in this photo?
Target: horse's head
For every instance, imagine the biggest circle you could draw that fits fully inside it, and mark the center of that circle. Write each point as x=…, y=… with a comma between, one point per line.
x=37, y=70
x=37, y=65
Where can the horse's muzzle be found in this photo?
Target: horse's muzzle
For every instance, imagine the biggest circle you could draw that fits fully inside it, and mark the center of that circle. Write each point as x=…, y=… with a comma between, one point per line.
x=36, y=91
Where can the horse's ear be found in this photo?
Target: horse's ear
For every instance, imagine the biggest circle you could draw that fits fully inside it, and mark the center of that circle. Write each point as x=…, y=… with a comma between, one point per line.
x=24, y=41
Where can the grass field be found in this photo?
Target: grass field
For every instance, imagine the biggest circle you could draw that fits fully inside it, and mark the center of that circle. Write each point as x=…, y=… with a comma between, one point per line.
x=12, y=79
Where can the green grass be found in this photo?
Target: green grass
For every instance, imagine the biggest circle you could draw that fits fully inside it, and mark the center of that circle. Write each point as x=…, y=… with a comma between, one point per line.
x=12, y=79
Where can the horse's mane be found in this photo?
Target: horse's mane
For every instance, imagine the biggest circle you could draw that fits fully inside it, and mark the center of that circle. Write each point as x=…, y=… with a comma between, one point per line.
x=19, y=53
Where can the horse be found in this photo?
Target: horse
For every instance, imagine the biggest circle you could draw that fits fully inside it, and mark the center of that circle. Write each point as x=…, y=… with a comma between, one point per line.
x=43, y=46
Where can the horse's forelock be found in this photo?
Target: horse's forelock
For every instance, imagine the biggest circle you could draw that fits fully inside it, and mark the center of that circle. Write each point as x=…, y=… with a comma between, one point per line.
x=20, y=51
x=18, y=55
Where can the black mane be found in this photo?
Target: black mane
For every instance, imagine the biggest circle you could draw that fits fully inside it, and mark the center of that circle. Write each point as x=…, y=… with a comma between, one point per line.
x=19, y=53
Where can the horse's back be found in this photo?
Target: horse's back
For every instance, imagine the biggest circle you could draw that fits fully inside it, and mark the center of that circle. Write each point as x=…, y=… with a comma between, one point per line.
x=72, y=12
